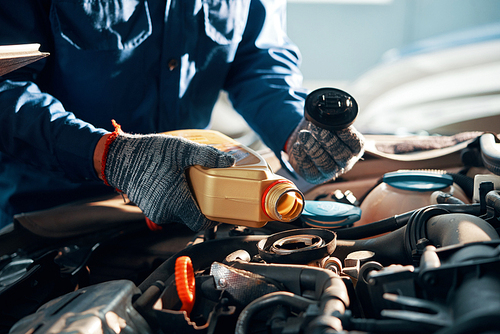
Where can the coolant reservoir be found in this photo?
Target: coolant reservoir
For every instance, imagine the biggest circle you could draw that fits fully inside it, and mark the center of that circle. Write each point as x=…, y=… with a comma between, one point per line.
x=247, y=193
x=403, y=191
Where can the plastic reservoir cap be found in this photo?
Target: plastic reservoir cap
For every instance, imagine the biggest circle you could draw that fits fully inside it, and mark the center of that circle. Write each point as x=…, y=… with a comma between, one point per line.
x=329, y=214
x=418, y=180
x=330, y=108
x=185, y=283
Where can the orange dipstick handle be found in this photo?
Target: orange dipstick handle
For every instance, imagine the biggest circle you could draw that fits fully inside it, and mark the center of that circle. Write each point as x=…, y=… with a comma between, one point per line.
x=184, y=281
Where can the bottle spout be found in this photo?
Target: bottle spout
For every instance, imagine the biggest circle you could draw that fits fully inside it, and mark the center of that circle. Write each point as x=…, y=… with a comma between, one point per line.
x=282, y=201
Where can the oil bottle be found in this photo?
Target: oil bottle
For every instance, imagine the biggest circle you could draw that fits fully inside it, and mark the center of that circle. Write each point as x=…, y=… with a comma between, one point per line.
x=248, y=193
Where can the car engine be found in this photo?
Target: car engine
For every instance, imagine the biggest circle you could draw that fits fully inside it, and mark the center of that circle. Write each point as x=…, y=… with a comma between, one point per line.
x=403, y=243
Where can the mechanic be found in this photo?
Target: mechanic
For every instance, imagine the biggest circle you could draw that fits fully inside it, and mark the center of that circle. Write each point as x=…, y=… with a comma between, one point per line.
x=154, y=66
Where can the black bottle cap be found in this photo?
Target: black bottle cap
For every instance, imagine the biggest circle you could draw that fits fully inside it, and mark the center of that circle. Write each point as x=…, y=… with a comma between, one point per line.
x=330, y=108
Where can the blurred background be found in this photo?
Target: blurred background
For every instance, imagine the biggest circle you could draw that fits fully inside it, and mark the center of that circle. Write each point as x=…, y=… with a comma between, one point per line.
x=424, y=67
x=342, y=39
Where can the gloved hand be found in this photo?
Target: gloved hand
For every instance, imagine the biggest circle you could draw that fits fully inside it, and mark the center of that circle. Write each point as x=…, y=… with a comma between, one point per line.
x=320, y=155
x=149, y=169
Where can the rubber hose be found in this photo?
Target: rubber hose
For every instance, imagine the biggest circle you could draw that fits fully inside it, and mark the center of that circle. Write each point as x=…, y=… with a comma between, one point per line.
x=457, y=228
x=493, y=200
x=297, y=303
x=465, y=182
x=329, y=289
x=490, y=152
x=439, y=233
x=379, y=227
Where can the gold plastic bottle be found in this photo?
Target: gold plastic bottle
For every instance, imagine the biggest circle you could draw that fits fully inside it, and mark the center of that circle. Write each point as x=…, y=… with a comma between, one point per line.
x=247, y=193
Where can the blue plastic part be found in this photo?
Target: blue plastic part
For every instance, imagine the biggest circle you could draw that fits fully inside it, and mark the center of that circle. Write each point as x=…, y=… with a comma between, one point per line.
x=418, y=180
x=328, y=214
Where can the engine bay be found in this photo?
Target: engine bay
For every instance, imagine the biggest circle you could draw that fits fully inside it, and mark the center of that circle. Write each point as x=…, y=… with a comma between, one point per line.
x=403, y=243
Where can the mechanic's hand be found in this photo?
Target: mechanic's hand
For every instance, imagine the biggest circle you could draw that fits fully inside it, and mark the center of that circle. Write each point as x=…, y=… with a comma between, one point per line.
x=149, y=169
x=320, y=155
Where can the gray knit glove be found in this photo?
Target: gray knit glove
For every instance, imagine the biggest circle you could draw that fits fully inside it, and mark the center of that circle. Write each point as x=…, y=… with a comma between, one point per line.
x=149, y=169
x=320, y=155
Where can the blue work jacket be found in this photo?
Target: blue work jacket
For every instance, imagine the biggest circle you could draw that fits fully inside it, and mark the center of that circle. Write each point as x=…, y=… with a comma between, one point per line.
x=151, y=65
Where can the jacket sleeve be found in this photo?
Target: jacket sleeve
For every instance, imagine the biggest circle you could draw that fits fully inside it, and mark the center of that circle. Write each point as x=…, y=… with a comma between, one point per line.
x=264, y=82
x=34, y=126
